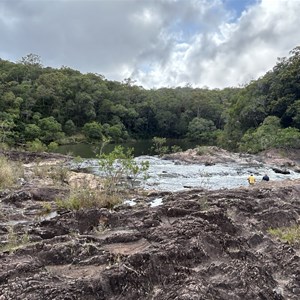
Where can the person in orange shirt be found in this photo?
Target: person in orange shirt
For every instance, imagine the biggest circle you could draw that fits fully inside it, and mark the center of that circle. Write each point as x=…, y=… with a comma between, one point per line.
x=251, y=179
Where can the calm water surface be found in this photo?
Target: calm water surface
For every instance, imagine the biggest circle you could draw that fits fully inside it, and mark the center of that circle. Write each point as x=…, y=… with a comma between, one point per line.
x=140, y=147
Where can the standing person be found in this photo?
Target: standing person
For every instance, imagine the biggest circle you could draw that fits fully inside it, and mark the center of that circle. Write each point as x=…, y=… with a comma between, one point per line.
x=266, y=178
x=251, y=179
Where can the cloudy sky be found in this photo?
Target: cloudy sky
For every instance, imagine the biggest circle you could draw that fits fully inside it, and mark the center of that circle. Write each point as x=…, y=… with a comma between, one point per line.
x=213, y=43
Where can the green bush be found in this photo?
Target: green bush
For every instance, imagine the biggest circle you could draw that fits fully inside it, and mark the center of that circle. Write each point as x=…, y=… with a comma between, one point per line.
x=175, y=149
x=46, y=208
x=36, y=146
x=52, y=146
x=121, y=170
x=202, y=130
x=159, y=146
x=93, y=131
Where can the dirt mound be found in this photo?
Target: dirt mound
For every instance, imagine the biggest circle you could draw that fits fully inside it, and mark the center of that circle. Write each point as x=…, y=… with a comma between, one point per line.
x=197, y=245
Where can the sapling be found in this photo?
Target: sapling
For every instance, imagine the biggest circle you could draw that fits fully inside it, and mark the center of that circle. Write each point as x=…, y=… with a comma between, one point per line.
x=121, y=170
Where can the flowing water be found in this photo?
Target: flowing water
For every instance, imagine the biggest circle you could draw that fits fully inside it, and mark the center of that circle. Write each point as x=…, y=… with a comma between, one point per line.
x=167, y=175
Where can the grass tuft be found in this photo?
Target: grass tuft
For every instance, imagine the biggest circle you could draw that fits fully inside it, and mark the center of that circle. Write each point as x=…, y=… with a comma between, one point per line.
x=287, y=234
x=88, y=198
x=14, y=241
x=10, y=172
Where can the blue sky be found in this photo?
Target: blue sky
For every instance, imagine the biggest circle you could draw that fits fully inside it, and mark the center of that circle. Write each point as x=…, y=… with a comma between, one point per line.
x=238, y=6
x=212, y=43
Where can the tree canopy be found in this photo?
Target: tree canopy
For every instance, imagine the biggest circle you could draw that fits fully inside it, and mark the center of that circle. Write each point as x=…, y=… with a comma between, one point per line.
x=51, y=105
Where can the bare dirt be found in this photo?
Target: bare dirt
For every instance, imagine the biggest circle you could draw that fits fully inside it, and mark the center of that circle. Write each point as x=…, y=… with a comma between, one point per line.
x=199, y=244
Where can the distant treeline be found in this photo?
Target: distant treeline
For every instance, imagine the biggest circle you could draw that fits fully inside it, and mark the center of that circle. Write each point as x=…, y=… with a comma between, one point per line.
x=45, y=106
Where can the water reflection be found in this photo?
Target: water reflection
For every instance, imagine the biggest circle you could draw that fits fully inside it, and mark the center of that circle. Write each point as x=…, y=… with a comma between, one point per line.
x=140, y=147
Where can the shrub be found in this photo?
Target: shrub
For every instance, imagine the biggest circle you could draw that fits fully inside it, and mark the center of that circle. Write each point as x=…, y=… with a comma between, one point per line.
x=52, y=146
x=93, y=130
x=121, y=170
x=159, y=146
x=269, y=135
x=36, y=146
x=175, y=149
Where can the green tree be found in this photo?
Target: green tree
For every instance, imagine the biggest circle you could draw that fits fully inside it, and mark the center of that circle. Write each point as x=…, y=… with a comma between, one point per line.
x=32, y=131
x=6, y=130
x=69, y=127
x=93, y=131
x=201, y=130
x=51, y=129
x=31, y=60
x=270, y=135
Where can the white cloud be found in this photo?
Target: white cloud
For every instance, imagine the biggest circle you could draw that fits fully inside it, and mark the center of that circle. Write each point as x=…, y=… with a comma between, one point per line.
x=156, y=42
x=238, y=52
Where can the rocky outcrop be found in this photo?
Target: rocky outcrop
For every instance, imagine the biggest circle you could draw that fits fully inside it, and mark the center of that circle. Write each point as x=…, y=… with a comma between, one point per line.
x=28, y=157
x=196, y=245
x=281, y=171
x=281, y=161
x=208, y=156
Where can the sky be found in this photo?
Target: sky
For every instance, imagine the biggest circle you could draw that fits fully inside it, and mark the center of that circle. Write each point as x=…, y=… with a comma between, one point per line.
x=157, y=43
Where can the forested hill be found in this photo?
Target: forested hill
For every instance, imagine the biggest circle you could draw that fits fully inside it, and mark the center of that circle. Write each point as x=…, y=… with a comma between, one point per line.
x=42, y=105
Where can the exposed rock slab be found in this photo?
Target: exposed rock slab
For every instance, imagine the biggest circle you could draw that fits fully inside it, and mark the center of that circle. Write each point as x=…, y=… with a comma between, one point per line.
x=197, y=245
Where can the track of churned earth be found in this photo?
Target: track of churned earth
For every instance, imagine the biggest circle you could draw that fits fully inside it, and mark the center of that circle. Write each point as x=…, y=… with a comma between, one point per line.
x=197, y=245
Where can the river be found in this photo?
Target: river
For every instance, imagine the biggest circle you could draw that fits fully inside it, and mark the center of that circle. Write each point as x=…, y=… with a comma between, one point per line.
x=168, y=175
x=140, y=147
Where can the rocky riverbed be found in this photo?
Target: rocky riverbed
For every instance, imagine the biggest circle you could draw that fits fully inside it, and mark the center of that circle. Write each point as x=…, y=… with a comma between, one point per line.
x=197, y=244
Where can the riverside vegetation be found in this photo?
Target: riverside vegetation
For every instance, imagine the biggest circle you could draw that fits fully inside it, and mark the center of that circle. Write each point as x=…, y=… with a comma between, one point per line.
x=41, y=107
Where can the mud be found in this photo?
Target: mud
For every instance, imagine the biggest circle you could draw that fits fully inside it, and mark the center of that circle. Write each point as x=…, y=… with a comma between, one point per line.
x=196, y=245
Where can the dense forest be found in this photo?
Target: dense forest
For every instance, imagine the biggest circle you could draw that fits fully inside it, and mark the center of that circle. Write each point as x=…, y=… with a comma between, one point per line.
x=43, y=106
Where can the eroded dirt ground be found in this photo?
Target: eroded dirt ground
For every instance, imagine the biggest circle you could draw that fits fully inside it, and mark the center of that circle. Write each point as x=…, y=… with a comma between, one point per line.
x=198, y=244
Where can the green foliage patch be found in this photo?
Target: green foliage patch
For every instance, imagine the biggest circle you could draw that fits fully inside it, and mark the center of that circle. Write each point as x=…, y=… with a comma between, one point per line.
x=287, y=234
x=121, y=170
x=61, y=105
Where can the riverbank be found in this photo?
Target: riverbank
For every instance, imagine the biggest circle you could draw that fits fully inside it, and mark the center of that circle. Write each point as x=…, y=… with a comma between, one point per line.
x=197, y=244
x=281, y=158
